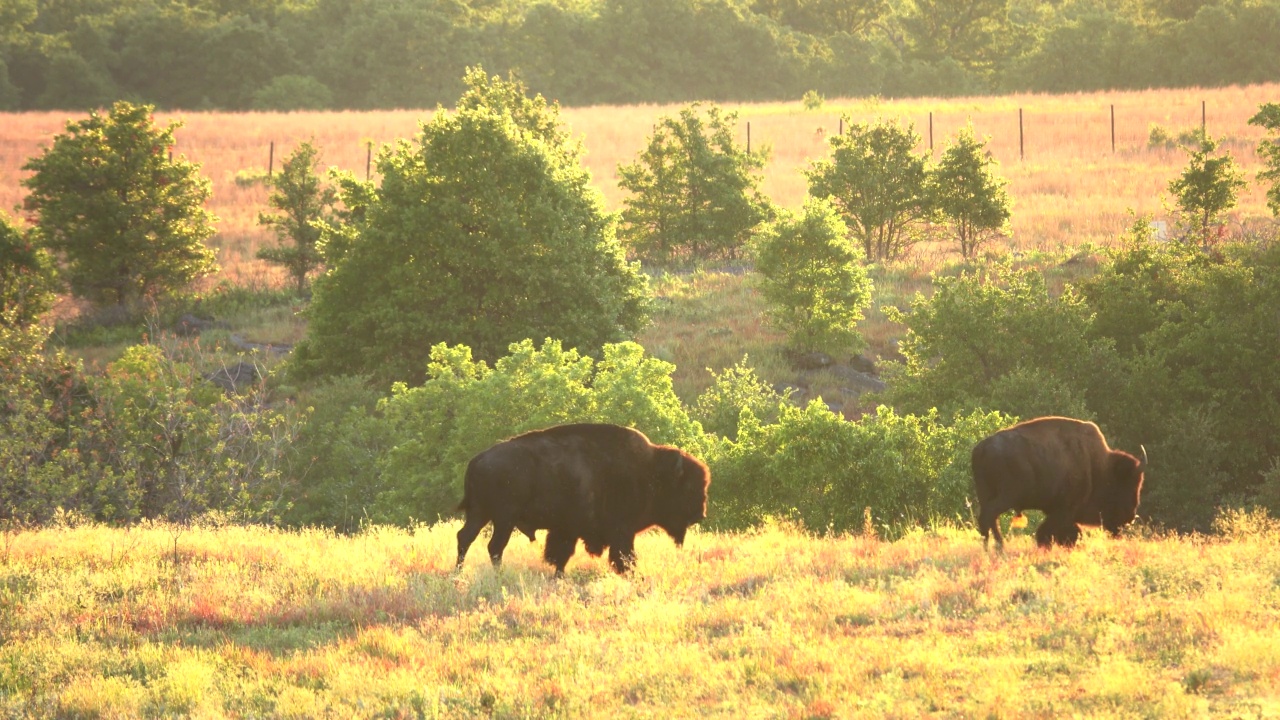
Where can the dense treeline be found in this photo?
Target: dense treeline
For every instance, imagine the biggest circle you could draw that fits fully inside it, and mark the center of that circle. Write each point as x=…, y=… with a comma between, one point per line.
x=292, y=54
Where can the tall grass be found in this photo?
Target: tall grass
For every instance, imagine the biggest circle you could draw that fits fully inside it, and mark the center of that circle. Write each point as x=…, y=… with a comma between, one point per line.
x=218, y=621
x=1067, y=184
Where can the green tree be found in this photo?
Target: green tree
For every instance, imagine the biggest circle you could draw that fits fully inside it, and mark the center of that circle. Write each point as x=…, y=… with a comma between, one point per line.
x=485, y=231
x=304, y=203
x=1268, y=118
x=995, y=338
x=813, y=280
x=878, y=183
x=1206, y=190
x=127, y=220
x=694, y=190
x=968, y=194
x=26, y=276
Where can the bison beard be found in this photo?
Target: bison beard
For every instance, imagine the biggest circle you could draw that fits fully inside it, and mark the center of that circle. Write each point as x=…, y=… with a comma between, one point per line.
x=1062, y=467
x=601, y=484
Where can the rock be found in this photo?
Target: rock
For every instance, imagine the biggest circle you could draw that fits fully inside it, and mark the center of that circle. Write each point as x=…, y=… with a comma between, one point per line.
x=189, y=324
x=863, y=364
x=812, y=361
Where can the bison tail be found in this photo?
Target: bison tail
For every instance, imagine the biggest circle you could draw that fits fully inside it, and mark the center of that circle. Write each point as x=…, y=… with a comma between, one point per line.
x=462, y=506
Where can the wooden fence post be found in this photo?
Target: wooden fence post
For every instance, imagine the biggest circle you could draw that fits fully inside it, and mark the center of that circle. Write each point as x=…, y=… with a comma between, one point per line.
x=271, y=159
x=1113, y=129
x=1021, y=153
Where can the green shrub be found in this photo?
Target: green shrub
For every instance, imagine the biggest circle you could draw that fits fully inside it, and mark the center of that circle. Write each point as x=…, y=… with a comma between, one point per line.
x=736, y=390
x=823, y=472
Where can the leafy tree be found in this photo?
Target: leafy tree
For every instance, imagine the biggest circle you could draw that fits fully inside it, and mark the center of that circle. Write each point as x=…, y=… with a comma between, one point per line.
x=304, y=203
x=968, y=194
x=1206, y=190
x=127, y=220
x=694, y=190
x=485, y=231
x=995, y=338
x=26, y=276
x=1268, y=118
x=813, y=280
x=878, y=183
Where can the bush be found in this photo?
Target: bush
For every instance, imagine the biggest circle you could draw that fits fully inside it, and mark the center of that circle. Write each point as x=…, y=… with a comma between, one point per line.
x=813, y=280
x=27, y=280
x=813, y=467
x=734, y=391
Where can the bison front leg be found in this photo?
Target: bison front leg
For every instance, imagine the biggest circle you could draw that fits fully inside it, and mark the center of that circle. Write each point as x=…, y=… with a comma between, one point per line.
x=1055, y=529
x=560, y=547
x=622, y=554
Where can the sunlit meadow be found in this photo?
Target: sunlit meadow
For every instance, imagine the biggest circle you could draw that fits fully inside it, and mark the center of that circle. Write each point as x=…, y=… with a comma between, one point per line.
x=160, y=621
x=1068, y=186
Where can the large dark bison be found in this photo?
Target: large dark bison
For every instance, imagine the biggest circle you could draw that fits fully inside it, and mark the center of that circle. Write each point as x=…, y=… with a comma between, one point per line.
x=1062, y=467
x=599, y=483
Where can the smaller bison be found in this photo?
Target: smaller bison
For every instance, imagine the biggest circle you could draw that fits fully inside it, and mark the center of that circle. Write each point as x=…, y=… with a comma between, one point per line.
x=1062, y=467
x=598, y=483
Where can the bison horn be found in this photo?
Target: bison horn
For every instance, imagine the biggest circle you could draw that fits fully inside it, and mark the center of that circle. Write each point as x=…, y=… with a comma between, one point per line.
x=1143, y=466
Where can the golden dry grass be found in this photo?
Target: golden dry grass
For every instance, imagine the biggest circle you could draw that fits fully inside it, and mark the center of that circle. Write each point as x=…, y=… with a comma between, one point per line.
x=240, y=622
x=1068, y=189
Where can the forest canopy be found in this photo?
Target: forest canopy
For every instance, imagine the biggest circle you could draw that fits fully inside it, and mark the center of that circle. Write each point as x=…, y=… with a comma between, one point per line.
x=367, y=54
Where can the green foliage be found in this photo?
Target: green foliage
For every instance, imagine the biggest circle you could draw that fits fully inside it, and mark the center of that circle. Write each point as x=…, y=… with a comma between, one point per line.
x=812, y=278
x=485, y=231
x=734, y=391
x=878, y=183
x=811, y=100
x=27, y=280
x=995, y=338
x=148, y=439
x=1268, y=118
x=817, y=469
x=293, y=92
x=407, y=459
x=968, y=194
x=694, y=191
x=304, y=204
x=1206, y=190
x=128, y=221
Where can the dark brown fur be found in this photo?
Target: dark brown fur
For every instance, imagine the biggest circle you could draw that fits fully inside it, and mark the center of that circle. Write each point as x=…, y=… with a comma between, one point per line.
x=601, y=484
x=1062, y=467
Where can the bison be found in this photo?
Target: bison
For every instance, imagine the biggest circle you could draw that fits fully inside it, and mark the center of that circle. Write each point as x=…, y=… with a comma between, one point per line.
x=1062, y=467
x=599, y=483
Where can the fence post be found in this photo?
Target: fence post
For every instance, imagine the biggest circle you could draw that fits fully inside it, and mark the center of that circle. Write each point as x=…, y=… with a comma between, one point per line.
x=748, y=137
x=1021, y=153
x=1202, y=123
x=271, y=159
x=930, y=132
x=1113, y=129
x=841, y=131
x=368, y=161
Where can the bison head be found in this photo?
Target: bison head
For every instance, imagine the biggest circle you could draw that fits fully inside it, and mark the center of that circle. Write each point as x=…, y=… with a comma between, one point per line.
x=681, y=498
x=1120, y=506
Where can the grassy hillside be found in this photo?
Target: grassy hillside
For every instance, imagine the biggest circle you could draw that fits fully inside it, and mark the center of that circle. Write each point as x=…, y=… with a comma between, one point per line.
x=159, y=621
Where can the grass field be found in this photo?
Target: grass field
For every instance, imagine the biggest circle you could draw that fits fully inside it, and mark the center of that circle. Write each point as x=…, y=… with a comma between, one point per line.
x=246, y=622
x=1067, y=184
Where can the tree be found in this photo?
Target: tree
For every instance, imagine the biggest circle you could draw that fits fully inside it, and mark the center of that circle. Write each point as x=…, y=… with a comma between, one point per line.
x=812, y=278
x=1206, y=189
x=968, y=194
x=304, y=204
x=127, y=220
x=877, y=182
x=1268, y=118
x=694, y=190
x=26, y=277
x=485, y=231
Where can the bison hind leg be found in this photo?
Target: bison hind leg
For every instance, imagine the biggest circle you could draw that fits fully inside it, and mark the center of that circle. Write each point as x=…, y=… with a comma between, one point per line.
x=467, y=535
x=1054, y=531
x=989, y=524
x=498, y=543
